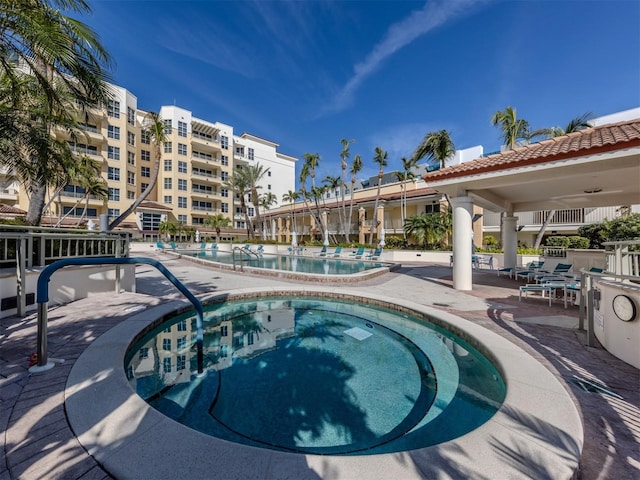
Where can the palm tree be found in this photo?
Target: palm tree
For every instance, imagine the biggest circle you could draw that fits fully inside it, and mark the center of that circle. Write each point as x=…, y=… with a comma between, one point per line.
x=381, y=159
x=356, y=167
x=267, y=200
x=253, y=174
x=167, y=228
x=153, y=125
x=513, y=128
x=332, y=184
x=95, y=187
x=291, y=197
x=343, y=156
x=436, y=146
x=217, y=221
x=427, y=228
x=311, y=161
x=64, y=60
x=239, y=184
x=404, y=176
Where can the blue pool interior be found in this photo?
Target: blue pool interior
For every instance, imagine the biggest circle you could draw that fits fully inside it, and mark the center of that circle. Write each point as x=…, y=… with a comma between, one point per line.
x=316, y=375
x=291, y=263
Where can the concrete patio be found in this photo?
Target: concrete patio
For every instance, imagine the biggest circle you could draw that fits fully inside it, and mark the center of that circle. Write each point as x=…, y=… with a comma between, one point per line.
x=38, y=441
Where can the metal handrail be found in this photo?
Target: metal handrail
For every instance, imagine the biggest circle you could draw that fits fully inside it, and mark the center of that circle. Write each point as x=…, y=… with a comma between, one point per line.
x=247, y=252
x=42, y=297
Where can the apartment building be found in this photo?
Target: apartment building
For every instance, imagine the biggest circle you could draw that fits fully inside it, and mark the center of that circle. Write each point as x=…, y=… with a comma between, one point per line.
x=198, y=157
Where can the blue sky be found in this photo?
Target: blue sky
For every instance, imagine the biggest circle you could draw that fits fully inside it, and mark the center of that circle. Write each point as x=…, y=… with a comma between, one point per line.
x=306, y=74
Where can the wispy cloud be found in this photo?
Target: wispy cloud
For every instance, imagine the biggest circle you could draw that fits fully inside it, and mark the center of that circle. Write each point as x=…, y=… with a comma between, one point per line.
x=432, y=15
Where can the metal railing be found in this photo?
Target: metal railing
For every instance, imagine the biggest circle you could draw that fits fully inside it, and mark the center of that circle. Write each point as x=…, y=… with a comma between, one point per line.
x=622, y=258
x=43, y=299
x=29, y=247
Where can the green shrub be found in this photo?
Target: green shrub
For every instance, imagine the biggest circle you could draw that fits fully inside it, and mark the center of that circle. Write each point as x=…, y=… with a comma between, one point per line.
x=621, y=228
x=557, y=241
x=394, y=242
x=576, y=241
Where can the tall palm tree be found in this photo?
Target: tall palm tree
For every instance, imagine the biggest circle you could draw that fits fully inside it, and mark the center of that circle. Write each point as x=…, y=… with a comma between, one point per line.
x=404, y=176
x=167, y=228
x=239, y=184
x=253, y=175
x=381, y=159
x=292, y=196
x=356, y=167
x=153, y=125
x=311, y=162
x=343, y=156
x=436, y=146
x=267, y=200
x=65, y=63
x=513, y=128
x=218, y=222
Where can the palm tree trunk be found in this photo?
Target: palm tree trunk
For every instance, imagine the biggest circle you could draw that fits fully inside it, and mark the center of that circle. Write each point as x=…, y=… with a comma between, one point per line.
x=36, y=202
x=544, y=226
x=374, y=221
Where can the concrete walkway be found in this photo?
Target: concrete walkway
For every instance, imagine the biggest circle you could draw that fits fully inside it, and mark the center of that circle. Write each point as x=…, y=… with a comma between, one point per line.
x=38, y=442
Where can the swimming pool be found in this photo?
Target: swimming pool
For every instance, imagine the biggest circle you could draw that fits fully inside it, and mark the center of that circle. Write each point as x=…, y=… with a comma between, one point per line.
x=294, y=264
x=317, y=375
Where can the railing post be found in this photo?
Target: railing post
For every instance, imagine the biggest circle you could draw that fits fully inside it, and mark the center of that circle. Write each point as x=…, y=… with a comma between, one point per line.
x=43, y=363
x=117, y=254
x=21, y=287
x=582, y=298
x=590, y=333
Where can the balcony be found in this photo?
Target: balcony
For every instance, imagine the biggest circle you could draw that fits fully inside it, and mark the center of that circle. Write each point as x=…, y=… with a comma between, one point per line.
x=198, y=208
x=208, y=177
x=9, y=194
x=208, y=142
x=198, y=158
x=204, y=193
x=572, y=217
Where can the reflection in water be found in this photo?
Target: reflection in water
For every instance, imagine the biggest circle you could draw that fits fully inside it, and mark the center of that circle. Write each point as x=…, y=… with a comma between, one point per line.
x=314, y=375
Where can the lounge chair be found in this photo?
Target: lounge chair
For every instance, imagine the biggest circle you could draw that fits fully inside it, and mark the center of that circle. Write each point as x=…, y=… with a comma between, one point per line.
x=173, y=245
x=322, y=252
x=160, y=246
x=377, y=253
x=336, y=253
x=559, y=272
x=549, y=288
x=259, y=250
x=214, y=246
x=358, y=253
x=203, y=246
x=533, y=269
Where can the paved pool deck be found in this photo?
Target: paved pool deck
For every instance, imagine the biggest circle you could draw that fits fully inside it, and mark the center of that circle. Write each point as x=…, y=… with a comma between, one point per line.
x=39, y=443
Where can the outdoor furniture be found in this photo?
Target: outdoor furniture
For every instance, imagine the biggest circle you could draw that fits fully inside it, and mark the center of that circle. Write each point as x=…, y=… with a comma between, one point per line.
x=531, y=271
x=484, y=260
x=560, y=270
x=214, y=246
x=322, y=252
x=336, y=253
x=358, y=253
x=377, y=253
x=549, y=288
x=173, y=245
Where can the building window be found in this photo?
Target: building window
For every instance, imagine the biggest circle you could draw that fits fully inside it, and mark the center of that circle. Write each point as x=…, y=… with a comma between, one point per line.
x=181, y=343
x=168, y=147
x=167, y=127
x=434, y=208
x=114, y=194
x=250, y=153
x=145, y=137
x=239, y=224
x=182, y=202
x=224, y=207
x=131, y=178
x=250, y=338
x=269, y=187
x=224, y=192
x=238, y=342
x=131, y=158
x=182, y=219
x=224, y=351
x=182, y=325
x=143, y=353
x=224, y=160
x=131, y=195
x=113, y=213
x=182, y=184
x=131, y=139
x=182, y=129
x=166, y=344
x=224, y=141
x=150, y=221
x=113, y=132
x=113, y=173
x=145, y=171
x=224, y=330
x=182, y=167
x=168, y=199
x=145, y=155
x=113, y=152
x=181, y=362
x=224, y=176
x=182, y=149
x=268, y=173
x=143, y=186
x=251, y=211
x=166, y=365
x=131, y=116
x=168, y=184
x=168, y=165
x=113, y=108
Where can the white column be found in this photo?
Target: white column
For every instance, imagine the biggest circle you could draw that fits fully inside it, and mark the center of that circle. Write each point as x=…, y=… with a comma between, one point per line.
x=462, y=243
x=510, y=240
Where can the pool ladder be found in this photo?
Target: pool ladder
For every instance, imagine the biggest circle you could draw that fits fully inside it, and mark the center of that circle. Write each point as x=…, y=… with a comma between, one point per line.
x=246, y=255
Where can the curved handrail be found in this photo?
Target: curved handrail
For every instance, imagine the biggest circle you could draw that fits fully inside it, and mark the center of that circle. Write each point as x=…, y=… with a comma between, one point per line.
x=42, y=297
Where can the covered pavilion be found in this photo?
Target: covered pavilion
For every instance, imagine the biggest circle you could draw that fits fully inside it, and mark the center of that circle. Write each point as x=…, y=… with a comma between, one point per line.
x=595, y=167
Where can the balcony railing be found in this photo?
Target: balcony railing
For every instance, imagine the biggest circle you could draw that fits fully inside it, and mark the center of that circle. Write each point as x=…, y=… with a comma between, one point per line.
x=572, y=216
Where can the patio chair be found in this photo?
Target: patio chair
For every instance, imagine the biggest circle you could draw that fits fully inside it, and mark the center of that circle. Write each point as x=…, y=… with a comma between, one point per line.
x=549, y=288
x=322, y=252
x=214, y=246
x=173, y=245
x=533, y=269
x=336, y=253
x=203, y=246
x=559, y=272
x=259, y=250
x=377, y=253
x=160, y=246
x=358, y=253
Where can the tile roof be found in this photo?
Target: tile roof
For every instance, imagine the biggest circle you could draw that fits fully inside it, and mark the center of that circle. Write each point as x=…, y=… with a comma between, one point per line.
x=151, y=205
x=9, y=210
x=590, y=141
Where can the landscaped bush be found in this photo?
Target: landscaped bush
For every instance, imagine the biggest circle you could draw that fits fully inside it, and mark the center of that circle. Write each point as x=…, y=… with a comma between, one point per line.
x=394, y=242
x=557, y=241
x=576, y=241
x=621, y=228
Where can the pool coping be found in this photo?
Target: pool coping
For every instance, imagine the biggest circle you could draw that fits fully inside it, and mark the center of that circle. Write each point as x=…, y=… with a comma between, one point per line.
x=537, y=433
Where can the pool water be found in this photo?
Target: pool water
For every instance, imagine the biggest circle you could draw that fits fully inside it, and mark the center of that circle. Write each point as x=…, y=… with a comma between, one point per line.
x=316, y=375
x=292, y=263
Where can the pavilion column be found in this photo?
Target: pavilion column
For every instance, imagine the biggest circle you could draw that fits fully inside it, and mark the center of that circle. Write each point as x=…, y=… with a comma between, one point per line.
x=361, y=225
x=380, y=216
x=273, y=229
x=279, y=233
x=462, y=243
x=510, y=240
